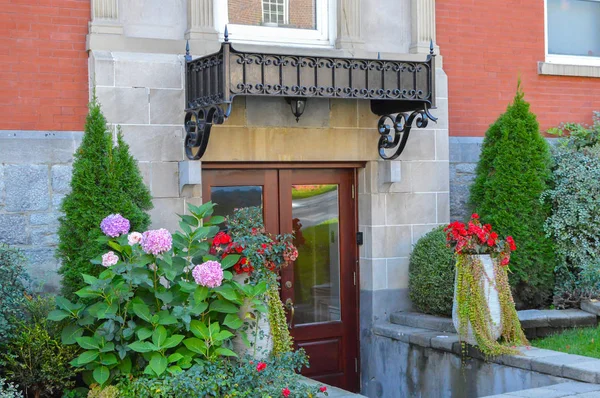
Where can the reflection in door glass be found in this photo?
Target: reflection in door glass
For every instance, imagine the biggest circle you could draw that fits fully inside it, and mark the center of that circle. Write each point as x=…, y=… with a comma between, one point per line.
x=315, y=213
x=235, y=197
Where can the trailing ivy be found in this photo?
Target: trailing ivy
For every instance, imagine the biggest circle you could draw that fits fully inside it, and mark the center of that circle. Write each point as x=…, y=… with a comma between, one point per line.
x=473, y=308
x=282, y=340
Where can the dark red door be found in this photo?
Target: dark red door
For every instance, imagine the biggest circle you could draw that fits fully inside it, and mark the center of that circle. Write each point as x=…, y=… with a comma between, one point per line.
x=319, y=289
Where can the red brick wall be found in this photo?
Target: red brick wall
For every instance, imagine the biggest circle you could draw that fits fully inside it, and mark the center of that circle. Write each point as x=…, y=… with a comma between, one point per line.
x=486, y=46
x=43, y=64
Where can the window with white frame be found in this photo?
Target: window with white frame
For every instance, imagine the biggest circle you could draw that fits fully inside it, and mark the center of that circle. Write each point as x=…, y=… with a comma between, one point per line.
x=573, y=31
x=275, y=12
x=284, y=22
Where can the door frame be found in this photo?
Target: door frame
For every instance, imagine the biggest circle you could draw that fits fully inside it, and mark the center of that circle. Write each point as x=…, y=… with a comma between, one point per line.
x=353, y=383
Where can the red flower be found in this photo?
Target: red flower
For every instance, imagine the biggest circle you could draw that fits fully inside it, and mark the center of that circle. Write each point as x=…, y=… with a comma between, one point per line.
x=286, y=392
x=264, y=245
x=511, y=243
x=505, y=261
x=487, y=227
x=323, y=389
x=261, y=366
x=475, y=216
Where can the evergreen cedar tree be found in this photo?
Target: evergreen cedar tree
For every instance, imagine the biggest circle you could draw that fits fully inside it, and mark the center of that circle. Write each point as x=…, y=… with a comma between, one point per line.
x=105, y=180
x=512, y=173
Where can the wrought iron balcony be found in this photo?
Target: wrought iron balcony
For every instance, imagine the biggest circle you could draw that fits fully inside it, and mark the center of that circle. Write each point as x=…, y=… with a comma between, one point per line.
x=405, y=88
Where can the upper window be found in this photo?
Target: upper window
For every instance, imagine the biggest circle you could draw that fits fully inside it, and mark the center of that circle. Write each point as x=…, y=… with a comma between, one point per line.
x=573, y=31
x=286, y=22
x=274, y=12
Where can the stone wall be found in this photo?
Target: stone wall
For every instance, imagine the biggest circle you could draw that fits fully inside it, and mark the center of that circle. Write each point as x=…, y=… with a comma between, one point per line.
x=35, y=172
x=464, y=155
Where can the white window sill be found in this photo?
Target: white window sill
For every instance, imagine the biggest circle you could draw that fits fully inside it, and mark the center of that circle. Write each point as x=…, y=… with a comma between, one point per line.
x=556, y=69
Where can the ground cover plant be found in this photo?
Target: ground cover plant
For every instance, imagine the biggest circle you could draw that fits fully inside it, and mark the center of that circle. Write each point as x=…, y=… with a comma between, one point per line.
x=578, y=341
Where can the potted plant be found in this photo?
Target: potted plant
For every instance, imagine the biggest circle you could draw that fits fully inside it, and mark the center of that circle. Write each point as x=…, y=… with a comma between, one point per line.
x=483, y=308
x=262, y=256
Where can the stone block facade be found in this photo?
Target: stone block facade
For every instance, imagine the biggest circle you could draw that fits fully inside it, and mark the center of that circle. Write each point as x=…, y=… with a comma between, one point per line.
x=34, y=178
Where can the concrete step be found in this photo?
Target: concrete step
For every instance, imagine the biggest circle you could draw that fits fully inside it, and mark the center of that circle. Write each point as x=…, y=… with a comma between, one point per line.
x=537, y=323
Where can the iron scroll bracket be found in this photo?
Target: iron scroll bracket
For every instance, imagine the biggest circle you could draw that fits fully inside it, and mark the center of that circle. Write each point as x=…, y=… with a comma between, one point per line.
x=402, y=124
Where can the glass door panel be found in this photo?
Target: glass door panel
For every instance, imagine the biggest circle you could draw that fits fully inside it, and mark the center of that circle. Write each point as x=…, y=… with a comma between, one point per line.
x=231, y=198
x=315, y=221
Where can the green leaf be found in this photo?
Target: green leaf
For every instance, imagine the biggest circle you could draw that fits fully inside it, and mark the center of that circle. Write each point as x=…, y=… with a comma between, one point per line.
x=166, y=296
x=223, y=335
x=141, y=310
x=227, y=292
x=70, y=333
x=141, y=346
x=199, y=329
x=144, y=333
x=109, y=359
x=158, y=363
x=88, y=343
x=58, y=315
x=225, y=352
x=224, y=307
x=101, y=374
x=174, y=369
x=195, y=345
x=187, y=287
x=214, y=328
x=97, y=310
x=174, y=357
x=125, y=366
x=85, y=358
x=89, y=279
x=173, y=341
x=233, y=321
x=159, y=336
x=65, y=304
x=190, y=220
x=115, y=246
x=214, y=220
x=200, y=294
x=230, y=261
x=110, y=346
x=199, y=308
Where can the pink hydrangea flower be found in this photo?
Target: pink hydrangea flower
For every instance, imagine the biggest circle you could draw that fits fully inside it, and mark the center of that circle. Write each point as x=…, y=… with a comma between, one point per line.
x=134, y=238
x=156, y=241
x=114, y=225
x=209, y=274
x=109, y=259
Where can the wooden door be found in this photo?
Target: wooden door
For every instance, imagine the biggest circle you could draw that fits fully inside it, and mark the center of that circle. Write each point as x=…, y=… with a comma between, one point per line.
x=319, y=207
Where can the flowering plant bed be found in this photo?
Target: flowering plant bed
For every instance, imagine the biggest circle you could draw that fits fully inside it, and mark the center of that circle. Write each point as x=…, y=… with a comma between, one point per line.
x=483, y=293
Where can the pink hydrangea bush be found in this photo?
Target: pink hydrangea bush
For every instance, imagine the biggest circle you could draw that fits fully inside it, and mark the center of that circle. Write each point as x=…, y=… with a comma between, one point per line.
x=155, y=287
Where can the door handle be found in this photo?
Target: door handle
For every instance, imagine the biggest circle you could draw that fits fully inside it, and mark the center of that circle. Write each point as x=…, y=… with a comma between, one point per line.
x=290, y=306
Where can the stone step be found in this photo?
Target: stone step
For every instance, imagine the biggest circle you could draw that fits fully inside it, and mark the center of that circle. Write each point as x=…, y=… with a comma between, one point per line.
x=537, y=323
x=591, y=306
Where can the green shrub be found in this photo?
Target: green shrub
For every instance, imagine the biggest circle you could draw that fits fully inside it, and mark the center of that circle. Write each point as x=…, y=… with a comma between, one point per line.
x=105, y=180
x=35, y=359
x=574, y=223
x=431, y=274
x=513, y=171
x=9, y=390
x=149, y=312
x=228, y=377
x=13, y=279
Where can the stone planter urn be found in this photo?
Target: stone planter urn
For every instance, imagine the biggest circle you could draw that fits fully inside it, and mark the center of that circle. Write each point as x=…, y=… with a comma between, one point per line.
x=488, y=279
x=257, y=329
